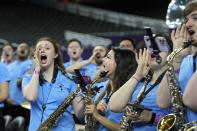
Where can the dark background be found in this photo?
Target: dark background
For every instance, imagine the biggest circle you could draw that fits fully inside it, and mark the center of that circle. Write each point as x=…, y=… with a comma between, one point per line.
x=148, y=8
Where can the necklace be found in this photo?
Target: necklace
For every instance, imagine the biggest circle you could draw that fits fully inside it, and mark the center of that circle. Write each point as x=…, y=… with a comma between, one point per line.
x=44, y=103
x=55, y=72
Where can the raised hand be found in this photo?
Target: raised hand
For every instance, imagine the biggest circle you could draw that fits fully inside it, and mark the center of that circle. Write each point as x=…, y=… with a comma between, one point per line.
x=37, y=64
x=92, y=58
x=178, y=38
x=142, y=60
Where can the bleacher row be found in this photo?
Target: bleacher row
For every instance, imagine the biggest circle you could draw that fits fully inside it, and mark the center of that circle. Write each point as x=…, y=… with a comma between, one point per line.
x=24, y=22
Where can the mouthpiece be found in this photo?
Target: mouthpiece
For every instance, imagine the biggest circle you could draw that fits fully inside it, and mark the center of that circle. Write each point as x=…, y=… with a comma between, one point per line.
x=103, y=73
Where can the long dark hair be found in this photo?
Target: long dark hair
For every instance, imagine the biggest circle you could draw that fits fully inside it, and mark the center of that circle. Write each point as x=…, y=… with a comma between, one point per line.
x=58, y=62
x=126, y=67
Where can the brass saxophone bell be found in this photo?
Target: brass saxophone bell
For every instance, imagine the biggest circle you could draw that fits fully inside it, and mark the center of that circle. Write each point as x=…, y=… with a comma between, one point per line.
x=166, y=123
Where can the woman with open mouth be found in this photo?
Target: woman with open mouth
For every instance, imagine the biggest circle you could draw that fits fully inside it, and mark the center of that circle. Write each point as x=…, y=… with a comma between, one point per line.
x=48, y=86
x=140, y=91
x=119, y=64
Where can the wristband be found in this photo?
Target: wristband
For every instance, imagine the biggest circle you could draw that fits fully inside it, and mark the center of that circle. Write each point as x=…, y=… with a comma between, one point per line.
x=36, y=72
x=151, y=122
x=86, y=62
x=157, y=117
x=135, y=78
x=176, y=71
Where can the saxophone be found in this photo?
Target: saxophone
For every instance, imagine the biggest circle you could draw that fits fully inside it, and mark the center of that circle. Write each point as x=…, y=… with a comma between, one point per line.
x=52, y=120
x=176, y=120
x=89, y=120
x=125, y=121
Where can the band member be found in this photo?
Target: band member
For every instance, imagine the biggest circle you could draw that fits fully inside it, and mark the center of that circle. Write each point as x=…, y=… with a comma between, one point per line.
x=121, y=65
x=47, y=87
x=145, y=119
x=184, y=64
x=4, y=79
x=93, y=64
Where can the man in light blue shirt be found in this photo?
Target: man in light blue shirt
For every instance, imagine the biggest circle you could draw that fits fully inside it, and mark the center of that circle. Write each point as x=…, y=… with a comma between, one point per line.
x=4, y=79
x=15, y=92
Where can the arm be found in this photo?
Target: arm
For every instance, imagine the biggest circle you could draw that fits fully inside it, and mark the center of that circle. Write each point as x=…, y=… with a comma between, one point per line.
x=120, y=98
x=79, y=107
x=91, y=109
x=30, y=91
x=113, y=126
x=189, y=96
x=80, y=65
x=122, y=95
x=163, y=92
x=3, y=91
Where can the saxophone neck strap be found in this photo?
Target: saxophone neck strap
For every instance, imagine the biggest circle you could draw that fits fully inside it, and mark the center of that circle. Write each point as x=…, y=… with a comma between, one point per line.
x=155, y=84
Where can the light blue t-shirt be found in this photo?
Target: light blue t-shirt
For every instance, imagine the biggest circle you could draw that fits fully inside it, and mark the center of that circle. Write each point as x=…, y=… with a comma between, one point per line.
x=52, y=95
x=89, y=69
x=115, y=117
x=4, y=77
x=15, y=69
x=186, y=71
x=148, y=102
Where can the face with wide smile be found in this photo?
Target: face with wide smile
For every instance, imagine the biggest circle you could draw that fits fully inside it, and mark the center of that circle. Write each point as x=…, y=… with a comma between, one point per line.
x=45, y=53
x=109, y=64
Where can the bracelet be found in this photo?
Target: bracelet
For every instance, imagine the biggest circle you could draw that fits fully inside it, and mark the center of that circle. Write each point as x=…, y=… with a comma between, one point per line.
x=135, y=78
x=86, y=62
x=36, y=72
x=157, y=117
x=176, y=71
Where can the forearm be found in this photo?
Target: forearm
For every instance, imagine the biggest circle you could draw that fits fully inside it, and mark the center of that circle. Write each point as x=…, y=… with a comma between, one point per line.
x=79, y=107
x=30, y=91
x=77, y=65
x=189, y=96
x=3, y=91
x=121, y=97
x=163, y=94
x=113, y=126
